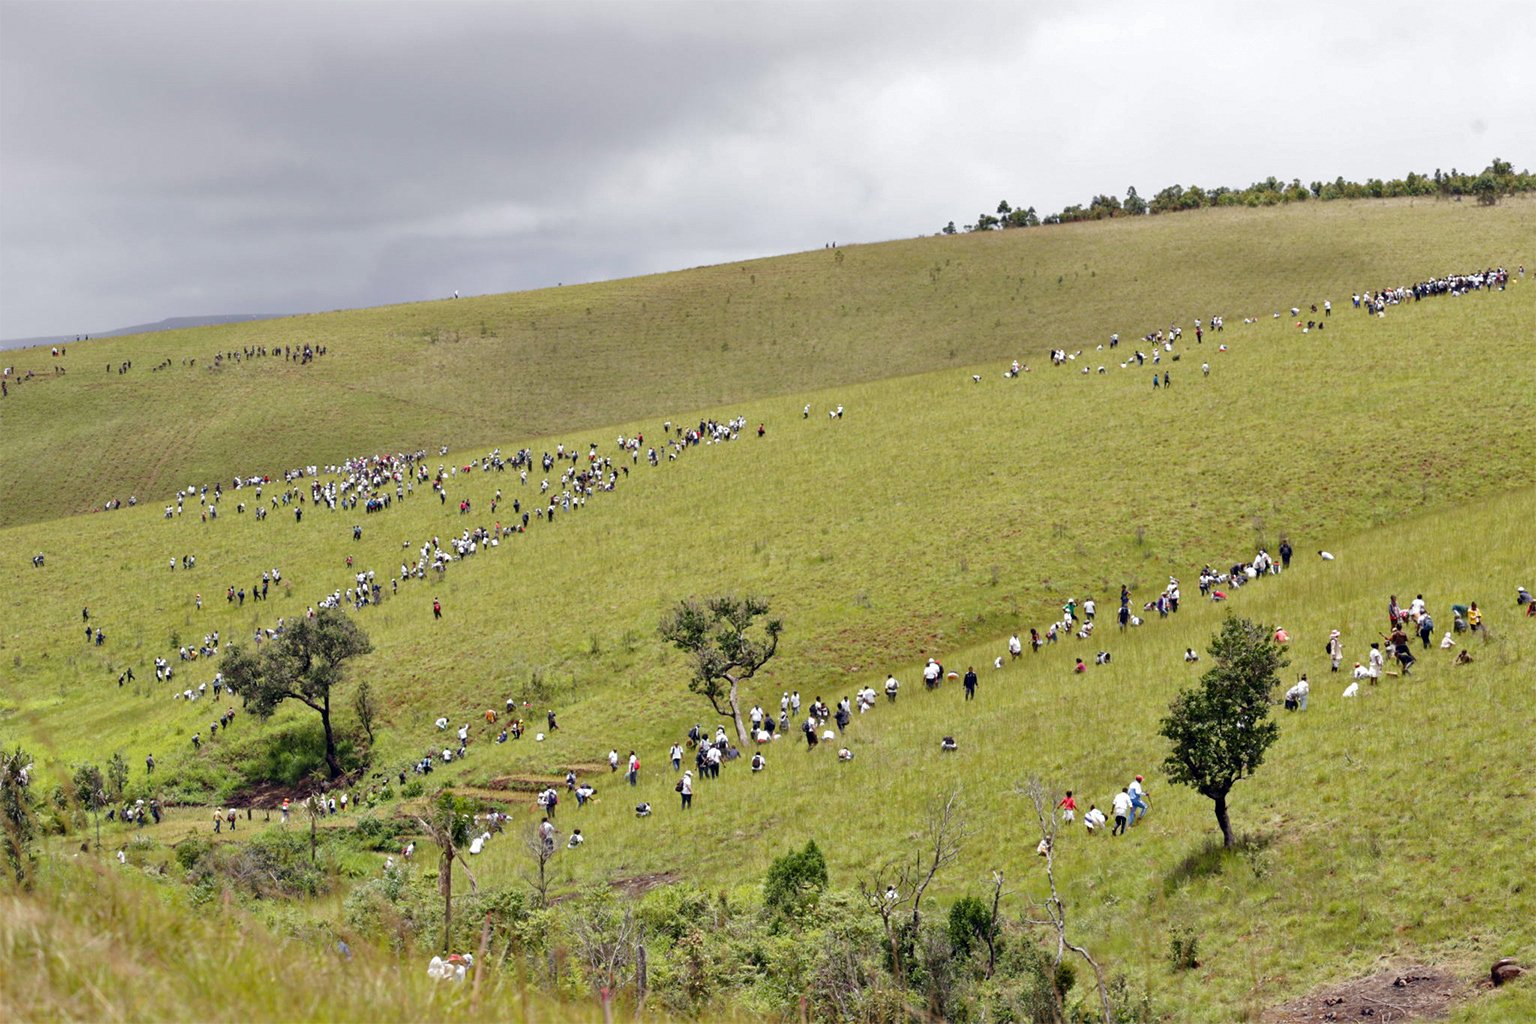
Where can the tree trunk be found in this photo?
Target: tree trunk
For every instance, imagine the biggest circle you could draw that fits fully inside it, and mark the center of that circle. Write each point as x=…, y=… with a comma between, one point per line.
x=331, y=761
x=741, y=728
x=1227, y=839
x=445, y=885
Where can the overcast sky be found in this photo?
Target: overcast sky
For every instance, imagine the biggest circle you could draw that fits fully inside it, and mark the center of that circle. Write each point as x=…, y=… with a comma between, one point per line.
x=178, y=159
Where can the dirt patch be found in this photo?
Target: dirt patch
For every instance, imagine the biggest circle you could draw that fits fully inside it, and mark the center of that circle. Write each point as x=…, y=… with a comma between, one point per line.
x=1411, y=993
x=639, y=885
x=522, y=783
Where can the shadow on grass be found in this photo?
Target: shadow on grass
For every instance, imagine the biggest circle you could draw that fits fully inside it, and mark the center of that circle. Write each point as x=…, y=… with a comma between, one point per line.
x=1211, y=858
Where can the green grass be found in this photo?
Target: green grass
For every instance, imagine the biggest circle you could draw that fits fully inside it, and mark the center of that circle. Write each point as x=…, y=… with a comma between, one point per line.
x=474, y=372
x=938, y=516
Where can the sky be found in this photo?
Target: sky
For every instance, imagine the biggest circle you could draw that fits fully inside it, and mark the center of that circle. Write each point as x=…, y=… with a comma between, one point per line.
x=186, y=158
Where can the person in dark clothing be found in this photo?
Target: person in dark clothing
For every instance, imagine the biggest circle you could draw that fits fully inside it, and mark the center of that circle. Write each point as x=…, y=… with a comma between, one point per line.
x=970, y=683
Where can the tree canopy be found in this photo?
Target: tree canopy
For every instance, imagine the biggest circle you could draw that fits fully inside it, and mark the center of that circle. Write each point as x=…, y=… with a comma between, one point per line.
x=727, y=646
x=1498, y=179
x=306, y=662
x=1220, y=729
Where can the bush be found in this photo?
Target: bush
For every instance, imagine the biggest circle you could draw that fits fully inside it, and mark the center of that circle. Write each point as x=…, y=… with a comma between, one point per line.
x=970, y=921
x=190, y=851
x=290, y=753
x=795, y=881
x=378, y=834
x=1184, y=950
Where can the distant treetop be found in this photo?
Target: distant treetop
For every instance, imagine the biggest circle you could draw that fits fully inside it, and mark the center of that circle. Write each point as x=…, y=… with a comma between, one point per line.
x=1496, y=180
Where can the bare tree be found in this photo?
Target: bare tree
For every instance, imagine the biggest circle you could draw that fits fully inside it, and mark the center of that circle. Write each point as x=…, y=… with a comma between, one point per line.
x=447, y=823
x=946, y=831
x=1052, y=908
x=894, y=886
x=991, y=935
x=542, y=850
x=607, y=936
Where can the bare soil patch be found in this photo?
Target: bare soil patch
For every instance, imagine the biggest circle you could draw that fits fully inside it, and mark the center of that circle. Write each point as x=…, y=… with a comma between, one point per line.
x=1410, y=993
x=639, y=885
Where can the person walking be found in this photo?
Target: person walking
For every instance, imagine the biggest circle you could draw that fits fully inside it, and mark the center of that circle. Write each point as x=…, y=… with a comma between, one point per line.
x=685, y=787
x=970, y=683
x=1122, y=809
x=437, y=608
x=634, y=768
x=1138, y=797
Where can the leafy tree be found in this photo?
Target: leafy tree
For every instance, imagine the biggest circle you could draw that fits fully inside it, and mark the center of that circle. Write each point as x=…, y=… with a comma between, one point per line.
x=117, y=774
x=1486, y=187
x=970, y=919
x=1134, y=205
x=1023, y=217
x=717, y=632
x=90, y=793
x=795, y=880
x=1220, y=729
x=305, y=663
x=18, y=826
x=950, y=229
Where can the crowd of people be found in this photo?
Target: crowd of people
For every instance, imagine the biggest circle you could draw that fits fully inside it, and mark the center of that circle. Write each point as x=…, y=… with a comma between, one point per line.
x=571, y=476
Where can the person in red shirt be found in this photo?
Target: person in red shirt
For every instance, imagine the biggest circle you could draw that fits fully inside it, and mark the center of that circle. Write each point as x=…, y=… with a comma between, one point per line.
x=1080, y=666
x=1068, y=807
x=437, y=608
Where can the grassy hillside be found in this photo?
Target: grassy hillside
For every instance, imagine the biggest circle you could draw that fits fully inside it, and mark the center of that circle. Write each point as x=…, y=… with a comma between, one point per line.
x=473, y=372
x=938, y=515
x=935, y=511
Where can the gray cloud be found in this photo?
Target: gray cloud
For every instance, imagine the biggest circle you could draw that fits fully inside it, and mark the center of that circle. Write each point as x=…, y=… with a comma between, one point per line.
x=181, y=158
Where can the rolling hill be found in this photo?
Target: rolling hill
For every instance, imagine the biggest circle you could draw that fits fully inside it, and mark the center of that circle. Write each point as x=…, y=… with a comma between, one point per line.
x=948, y=507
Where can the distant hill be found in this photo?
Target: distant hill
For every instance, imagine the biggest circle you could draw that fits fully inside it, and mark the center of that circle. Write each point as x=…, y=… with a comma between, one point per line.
x=170, y=324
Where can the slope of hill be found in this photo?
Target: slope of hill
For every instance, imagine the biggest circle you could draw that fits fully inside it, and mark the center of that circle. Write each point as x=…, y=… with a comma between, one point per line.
x=937, y=515
x=174, y=323
x=473, y=372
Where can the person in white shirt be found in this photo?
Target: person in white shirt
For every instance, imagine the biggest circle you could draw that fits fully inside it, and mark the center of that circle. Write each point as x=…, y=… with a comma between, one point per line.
x=1015, y=646
x=1088, y=608
x=1122, y=809
x=759, y=762
x=576, y=839
x=1296, y=696
x=891, y=686
x=1377, y=660
x=613, y=760
x=1094, y=819
x=676, y=755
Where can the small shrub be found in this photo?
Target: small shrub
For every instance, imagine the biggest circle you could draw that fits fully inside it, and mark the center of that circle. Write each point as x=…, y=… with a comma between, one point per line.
x=190, y=851
x=1184, y=950
x=795, y=881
